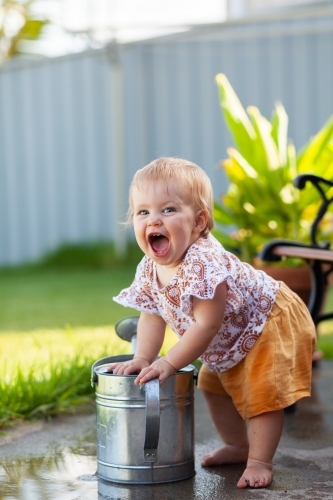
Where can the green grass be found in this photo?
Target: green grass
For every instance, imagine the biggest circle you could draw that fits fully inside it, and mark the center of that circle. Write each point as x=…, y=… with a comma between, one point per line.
x=325, y=344
x=54, y=299
x=44, y=372
x=57, y=318
x=73, y=286
x=325, y=329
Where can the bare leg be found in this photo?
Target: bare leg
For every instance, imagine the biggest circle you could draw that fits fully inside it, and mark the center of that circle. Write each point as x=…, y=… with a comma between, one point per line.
x=232, y=430
x=264, y=435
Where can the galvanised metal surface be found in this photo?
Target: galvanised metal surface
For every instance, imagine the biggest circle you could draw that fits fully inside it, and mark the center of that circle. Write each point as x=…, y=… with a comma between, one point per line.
x=145, y=434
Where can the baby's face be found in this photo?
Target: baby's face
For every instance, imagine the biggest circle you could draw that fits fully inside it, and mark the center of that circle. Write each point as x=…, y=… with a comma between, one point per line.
x=165, y=222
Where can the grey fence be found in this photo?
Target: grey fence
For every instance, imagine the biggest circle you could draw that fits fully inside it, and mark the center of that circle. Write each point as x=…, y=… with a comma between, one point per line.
x=74, y=129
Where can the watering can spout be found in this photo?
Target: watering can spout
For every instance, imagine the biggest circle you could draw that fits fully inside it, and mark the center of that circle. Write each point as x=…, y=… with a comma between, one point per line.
x=126, y=329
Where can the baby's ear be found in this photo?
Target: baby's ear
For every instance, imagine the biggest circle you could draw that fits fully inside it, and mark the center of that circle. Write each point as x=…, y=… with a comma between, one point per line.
x=201, y=220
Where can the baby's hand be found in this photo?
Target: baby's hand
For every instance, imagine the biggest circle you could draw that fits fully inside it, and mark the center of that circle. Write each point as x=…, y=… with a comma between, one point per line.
x=160, y=369
x=135, y=365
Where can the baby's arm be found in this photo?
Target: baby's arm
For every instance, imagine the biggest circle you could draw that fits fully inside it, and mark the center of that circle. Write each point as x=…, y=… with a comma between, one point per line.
x=150, y=336
x=208, y=315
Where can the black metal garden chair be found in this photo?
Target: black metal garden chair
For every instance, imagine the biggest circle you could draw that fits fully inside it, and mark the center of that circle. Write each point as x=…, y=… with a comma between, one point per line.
x=318, y=255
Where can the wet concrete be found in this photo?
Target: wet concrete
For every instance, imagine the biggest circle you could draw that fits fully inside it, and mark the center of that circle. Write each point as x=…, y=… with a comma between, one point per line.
x=57, y=460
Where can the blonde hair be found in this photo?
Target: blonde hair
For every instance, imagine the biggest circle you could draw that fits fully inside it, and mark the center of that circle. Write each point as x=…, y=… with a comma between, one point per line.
x=194, y=183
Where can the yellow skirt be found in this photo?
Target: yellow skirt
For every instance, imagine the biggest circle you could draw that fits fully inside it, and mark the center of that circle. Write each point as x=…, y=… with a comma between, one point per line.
x=277, y=370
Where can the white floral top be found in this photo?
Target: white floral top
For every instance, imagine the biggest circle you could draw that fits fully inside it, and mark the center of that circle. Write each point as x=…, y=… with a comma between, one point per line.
x=251, y=295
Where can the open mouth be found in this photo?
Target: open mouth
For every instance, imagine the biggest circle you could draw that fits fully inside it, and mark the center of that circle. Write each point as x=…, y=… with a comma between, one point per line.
x=159, y=244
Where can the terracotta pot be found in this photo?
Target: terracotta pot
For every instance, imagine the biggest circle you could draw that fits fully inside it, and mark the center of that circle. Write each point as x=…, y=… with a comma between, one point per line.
x=297, y=278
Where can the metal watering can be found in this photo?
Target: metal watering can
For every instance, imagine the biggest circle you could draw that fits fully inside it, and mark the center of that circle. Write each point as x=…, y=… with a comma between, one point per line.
x=145, y=434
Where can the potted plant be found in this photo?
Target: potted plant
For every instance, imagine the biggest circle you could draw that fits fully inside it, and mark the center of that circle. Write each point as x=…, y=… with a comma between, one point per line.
x=261, y=202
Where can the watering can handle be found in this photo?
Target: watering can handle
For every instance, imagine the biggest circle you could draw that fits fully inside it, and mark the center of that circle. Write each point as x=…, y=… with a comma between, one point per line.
x=152, y=389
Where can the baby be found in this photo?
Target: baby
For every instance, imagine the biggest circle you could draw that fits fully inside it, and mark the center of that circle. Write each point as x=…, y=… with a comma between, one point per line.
x=254, y=336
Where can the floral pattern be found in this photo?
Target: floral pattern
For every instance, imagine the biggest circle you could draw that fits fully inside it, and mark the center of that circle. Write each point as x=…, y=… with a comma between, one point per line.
x=251, y=295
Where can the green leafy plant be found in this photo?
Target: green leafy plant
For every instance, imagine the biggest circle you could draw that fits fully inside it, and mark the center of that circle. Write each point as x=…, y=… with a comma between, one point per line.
x=261, y=202
x=18, y=24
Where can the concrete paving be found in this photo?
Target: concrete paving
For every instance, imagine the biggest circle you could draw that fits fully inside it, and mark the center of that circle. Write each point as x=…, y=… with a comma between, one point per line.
x=57, y=460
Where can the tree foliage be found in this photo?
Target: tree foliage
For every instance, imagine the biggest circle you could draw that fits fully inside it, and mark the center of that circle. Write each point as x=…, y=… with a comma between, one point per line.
x=18, y=23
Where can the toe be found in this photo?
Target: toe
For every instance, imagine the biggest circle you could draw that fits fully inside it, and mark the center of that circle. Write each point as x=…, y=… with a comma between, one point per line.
x=255, y=482
x=263, y=483
x=206, y=461
x=243, y=482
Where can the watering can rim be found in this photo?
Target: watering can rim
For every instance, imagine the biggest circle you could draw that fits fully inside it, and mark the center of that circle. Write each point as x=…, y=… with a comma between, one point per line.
x=127, y=357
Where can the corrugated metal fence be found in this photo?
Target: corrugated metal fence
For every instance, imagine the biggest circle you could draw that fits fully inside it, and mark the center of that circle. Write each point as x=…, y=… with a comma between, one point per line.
x=62, y=174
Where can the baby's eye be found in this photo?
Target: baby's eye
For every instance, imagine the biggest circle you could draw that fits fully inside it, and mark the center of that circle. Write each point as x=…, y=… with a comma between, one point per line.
x=168, y=210
x=143, y=212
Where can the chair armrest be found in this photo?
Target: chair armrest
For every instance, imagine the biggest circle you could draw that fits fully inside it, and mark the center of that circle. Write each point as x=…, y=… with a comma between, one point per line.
x=304, y=253
x=271, y=252
x=275, y=250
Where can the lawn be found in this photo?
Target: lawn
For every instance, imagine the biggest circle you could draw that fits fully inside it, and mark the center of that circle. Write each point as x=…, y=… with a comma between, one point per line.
x=325, y=329
x=59, y=313
x=53, y=299
x=54, y=324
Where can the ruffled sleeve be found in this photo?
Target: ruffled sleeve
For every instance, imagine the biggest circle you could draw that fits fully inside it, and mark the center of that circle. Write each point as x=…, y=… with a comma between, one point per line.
x=206, y=266
x=139, y=294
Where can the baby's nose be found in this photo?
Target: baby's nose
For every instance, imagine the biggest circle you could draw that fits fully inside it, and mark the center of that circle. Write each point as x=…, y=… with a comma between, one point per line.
x=154, y=220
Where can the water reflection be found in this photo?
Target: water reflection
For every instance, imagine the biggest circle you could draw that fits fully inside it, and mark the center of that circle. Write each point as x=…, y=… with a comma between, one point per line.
x=69, y=474
x=63, y=475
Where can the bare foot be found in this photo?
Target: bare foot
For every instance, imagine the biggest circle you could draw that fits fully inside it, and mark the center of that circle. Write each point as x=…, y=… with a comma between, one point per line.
x=227, y=454
x=256, y=475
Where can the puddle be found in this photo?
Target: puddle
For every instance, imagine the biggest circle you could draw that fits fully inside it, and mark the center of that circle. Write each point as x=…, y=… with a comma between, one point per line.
x=58, y=462
x=69, y=474
x=59, y=476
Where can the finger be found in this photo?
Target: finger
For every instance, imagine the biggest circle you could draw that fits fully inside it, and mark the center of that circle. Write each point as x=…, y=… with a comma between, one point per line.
x=115, y=366
x=116, y=370
x=148, y=376
x=143, y=372
x=120, y=369
x=111, y=368
x=130, y=369
x=140, y=379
